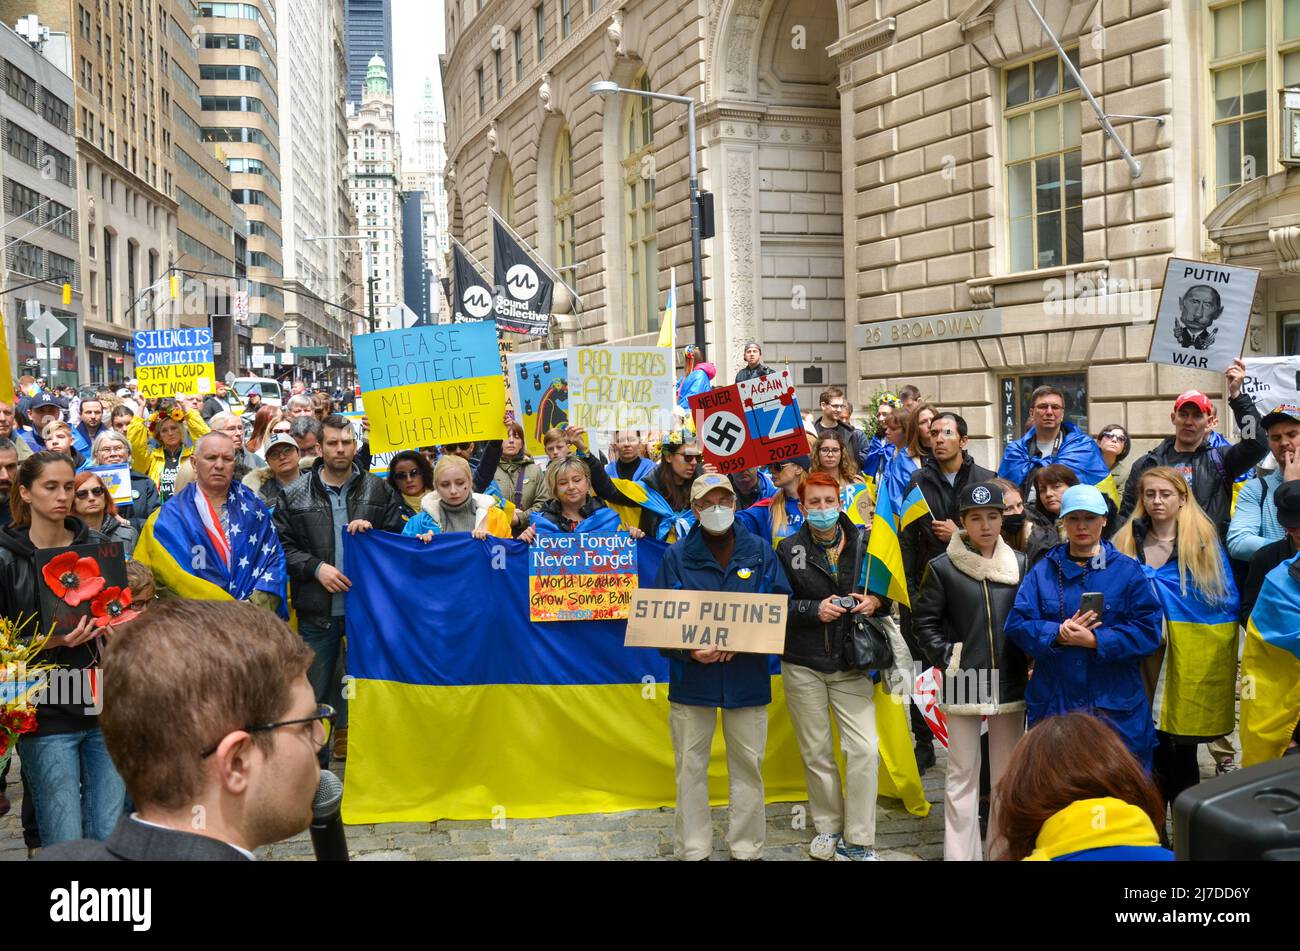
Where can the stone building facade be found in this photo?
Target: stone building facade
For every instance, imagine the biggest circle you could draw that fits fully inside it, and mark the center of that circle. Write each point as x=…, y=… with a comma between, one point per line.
x=905, y=190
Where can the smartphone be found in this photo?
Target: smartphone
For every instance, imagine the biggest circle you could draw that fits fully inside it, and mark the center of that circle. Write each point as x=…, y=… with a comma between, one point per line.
x=1092, y=601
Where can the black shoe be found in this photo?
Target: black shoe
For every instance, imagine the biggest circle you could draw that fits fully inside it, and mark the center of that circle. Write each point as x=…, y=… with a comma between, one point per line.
x=924, y=753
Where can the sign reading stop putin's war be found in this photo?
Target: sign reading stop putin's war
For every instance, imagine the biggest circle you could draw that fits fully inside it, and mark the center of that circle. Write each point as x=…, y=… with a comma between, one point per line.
x=581, y=577
x=613, y=388
x=168, y=362
x=750, y=424
x=431, y=385
x=704, y=620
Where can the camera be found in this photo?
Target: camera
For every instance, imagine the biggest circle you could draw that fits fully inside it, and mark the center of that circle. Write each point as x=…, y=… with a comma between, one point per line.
x=847, y=603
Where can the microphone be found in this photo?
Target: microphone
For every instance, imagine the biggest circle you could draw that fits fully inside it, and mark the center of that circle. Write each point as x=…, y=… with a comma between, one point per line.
x=327, y=838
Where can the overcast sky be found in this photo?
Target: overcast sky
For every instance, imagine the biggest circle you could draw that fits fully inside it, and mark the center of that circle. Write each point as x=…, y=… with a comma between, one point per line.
x=417, y=41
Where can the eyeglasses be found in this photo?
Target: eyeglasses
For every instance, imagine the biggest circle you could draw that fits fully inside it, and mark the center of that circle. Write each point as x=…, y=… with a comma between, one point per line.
x=278, y=430
x=1120, y=436
x=95, y=491
x=692, y=458
x=830, y=450
x=403, y=476
x=1049, y=408
x=325, y=717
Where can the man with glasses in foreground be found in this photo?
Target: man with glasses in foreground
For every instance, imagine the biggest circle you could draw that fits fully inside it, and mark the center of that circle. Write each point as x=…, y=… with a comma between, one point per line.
x=212, y=724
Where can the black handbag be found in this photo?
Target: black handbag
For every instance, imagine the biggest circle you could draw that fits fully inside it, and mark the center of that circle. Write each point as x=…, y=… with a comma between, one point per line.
x=864, y=644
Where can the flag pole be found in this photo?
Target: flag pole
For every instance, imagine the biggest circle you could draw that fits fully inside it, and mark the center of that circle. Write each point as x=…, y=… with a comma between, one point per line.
x=473, y=260
x=538, y=258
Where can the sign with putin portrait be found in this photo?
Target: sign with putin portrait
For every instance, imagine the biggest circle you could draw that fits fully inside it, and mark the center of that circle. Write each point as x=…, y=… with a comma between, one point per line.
x=1203, y=315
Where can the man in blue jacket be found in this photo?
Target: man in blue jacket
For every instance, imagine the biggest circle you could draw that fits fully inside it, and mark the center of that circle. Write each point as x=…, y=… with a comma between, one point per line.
x=1052, y=440
x=719, y=555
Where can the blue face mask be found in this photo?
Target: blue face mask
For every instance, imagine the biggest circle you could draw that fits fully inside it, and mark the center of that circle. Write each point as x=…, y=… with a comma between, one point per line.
x=823, y=519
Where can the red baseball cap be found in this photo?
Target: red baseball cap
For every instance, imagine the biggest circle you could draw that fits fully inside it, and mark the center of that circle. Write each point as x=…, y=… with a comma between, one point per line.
x=1197, y=399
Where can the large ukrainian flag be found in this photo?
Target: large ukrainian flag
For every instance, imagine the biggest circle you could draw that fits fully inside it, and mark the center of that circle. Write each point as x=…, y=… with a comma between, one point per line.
x=897, y=507
x=464, y=709
x=1270, y=667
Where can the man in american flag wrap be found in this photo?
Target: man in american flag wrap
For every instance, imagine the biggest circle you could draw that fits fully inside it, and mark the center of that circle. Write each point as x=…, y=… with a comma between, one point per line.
x=214, y=539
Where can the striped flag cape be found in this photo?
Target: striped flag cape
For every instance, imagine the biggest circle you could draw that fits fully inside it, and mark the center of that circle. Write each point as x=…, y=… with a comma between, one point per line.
x=896, y=508
x=1270, y=667
x=191, y=553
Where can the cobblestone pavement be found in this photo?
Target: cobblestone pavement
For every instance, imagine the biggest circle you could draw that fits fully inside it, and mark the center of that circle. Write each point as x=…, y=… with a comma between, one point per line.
x=643, y=834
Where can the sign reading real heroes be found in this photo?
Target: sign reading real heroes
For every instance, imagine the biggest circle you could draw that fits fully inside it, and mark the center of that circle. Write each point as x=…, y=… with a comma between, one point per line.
x=168, y=362
x=613, y=388
x=431, y=385
x=581, y=577
x=704, y=620
x=750, y=424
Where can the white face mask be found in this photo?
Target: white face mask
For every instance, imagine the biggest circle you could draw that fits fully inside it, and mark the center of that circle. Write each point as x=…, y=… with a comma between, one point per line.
x=717, y=519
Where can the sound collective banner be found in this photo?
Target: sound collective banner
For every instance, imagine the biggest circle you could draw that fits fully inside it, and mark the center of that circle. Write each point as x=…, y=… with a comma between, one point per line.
x=523, y=300
x=472, y=296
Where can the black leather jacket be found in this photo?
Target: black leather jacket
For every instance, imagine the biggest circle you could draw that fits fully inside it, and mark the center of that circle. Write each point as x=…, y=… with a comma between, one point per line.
x=918, y=543
x=305, y=524
x=957, y=621
x=810, y=642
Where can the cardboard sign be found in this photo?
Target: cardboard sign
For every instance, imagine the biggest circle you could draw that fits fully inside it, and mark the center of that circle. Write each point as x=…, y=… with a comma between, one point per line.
x=1272, y=381
x=168, y=362
x=1203, y=314
x=698, y=620
x=431, y=385
x=539, y=391
x=117, y=479
x=79, y=581
x=581, y=577
x=750, y=424
x=613, y=388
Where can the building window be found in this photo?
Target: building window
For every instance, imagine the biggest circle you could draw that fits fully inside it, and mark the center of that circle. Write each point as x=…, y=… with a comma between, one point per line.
x=1043, y=164
x=565, y=243
x=1016, y=390
x=21, y=144
x=640, y=249
x=507, y=208
x=1239, y=78
x=1290, y=332
x=539, y=22
x=479, y=74
x=55, y=111
x=566, y=19
x=519, y=54
x=500, y=76
x=20, y=86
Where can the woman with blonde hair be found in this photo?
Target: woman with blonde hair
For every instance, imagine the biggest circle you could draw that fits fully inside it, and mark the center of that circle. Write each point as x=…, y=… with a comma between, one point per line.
x=454, y=506
x=778, y=516
x=580, y=496
x=1193, y=674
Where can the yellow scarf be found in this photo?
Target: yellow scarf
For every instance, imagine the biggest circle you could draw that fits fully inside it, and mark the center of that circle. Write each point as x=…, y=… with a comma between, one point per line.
x=1092, y=824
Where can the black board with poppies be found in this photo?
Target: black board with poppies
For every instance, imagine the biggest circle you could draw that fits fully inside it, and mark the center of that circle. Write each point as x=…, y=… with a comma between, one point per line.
x=80, y=581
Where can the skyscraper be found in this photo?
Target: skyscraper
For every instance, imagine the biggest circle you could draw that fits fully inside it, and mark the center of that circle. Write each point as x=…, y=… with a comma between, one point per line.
x=374, y=177
x=369, y=25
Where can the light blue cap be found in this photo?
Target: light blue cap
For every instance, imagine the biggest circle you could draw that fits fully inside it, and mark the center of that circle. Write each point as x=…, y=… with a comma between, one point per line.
x=1083, y=498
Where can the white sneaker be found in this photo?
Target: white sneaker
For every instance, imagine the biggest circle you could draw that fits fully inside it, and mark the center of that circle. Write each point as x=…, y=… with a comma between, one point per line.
x=822, y=847
x=844, y=852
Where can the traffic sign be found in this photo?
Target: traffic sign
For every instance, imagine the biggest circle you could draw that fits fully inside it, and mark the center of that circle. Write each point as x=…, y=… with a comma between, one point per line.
x=47, y=328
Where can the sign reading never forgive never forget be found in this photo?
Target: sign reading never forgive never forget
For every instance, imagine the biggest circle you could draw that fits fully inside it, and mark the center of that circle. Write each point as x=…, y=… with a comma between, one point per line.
x=431, y=385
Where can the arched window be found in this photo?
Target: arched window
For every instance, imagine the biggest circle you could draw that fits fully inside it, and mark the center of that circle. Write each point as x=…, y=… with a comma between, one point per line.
x=507, y=209
x=640, y=248
x=565, y=244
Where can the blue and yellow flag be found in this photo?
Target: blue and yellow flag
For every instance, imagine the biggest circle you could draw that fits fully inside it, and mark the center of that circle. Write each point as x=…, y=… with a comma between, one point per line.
x=1196, y=690
x=1078, y=451
x=465, y=709
x=197, y=555
x=1270, y=667
x=897, y=507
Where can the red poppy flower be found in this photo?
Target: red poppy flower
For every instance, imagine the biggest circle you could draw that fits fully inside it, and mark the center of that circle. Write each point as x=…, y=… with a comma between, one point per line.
x=75, y=580
x=4, y=742
x=112, y=606
x=18, y=720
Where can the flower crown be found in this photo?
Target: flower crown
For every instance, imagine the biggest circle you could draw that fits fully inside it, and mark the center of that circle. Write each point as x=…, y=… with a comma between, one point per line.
x=673, y=439
x=159, y=417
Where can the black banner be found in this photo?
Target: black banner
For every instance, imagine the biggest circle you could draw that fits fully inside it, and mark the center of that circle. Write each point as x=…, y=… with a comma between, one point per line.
x=523, y=298
x=473, y=296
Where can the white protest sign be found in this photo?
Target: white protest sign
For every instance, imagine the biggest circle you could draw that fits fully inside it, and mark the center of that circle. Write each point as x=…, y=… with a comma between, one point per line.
x=1271, y=381
x=707, y=620
x=1204, y=311
x=612, y=388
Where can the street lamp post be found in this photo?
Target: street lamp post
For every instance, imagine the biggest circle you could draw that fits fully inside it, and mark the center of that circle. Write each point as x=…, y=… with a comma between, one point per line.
x=365, y=240
x=607, y=87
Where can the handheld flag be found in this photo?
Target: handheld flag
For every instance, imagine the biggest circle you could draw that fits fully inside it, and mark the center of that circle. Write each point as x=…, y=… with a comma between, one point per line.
x=523, y=303
x=1270, y=667
x=6, y=368
x=668, y=329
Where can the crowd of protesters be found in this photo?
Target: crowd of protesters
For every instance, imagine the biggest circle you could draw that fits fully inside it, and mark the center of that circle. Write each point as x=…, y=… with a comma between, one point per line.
x=1052, y=595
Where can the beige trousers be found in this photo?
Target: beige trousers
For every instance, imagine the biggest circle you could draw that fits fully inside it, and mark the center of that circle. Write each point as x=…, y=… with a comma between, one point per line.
x=745, y=731
x=812, y=697
x=961, y=795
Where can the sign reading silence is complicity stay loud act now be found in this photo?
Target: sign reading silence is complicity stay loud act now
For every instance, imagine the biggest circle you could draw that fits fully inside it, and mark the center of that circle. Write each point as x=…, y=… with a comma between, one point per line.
x=431, y=385
x=168, y=362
